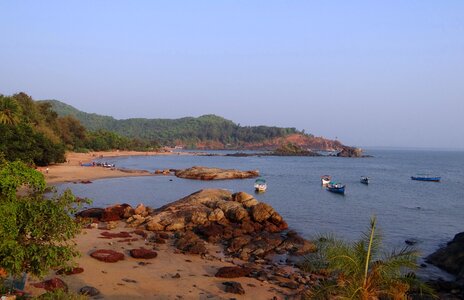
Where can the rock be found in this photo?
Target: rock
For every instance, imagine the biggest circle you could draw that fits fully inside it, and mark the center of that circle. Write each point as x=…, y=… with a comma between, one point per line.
x=245, y=199
x=234, y=211
x=141, y=233
x=189, y=242
x=350, y=152
x=237, y=243
x=153, y=225
x=411, y=242
x=141, y=210
x=205, y=173
x=94, y=213
x=216, y=215
x=213, y=232
x=122, y=234
x=52, y=285
x=114, y=213
x=234, y=287
x=143, y=253
x=135, y=220
x=107, y=255
x=89, y=291
x=451, y=257
x=163, y=235
x=198, y=217
x=261, y=212
x=233, y=272
x=70, y=272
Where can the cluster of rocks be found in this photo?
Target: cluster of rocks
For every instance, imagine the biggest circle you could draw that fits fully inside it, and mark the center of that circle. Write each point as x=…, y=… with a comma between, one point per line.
x=205, y=173
x=246, y=229
x=451, y=259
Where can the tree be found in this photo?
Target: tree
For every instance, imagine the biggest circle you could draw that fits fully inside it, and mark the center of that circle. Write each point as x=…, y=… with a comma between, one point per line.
x=10, y=111
x=360, y=271
x=35, y=231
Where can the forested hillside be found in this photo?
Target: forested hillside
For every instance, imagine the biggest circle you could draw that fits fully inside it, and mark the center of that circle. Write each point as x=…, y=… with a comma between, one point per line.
x=33, y=132
x=188, y=131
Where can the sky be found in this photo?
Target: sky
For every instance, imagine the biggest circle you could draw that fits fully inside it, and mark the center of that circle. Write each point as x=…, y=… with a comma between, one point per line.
x=370, y=73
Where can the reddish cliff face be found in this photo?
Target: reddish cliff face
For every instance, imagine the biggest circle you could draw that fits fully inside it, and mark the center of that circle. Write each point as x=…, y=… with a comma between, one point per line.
x=301, y=140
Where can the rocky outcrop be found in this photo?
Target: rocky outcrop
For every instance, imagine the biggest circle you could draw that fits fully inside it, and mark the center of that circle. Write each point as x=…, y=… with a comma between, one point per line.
x=350, y=152
x=205, y=173
x=451, y=257
x=248, y=228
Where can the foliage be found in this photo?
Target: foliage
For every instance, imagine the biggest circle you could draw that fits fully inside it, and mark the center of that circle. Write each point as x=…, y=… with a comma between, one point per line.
x=9, y=111
x=360, y=271
x=35, y=232
x=187, y=131
x=62, y=295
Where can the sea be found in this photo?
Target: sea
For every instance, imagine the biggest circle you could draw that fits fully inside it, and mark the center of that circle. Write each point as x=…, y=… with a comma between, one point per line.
x=430, y=213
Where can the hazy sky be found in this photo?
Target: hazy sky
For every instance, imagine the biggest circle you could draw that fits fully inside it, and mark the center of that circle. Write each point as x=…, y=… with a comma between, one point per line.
x=372, y=73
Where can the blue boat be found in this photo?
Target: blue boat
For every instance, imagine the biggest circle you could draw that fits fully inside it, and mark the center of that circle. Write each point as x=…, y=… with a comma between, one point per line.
x=425, y=177
x=336, y=188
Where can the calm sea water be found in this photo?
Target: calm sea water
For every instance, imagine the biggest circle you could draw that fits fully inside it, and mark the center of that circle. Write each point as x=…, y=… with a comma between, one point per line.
x=429, y=212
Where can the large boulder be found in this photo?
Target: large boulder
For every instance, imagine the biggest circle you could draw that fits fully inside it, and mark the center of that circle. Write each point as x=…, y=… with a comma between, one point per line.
x=205, y=173
x=115, y=213
x=451, y=257
x=94, y=213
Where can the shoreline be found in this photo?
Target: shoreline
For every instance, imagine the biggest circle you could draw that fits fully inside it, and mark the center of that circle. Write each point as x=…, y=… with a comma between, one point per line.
x=72, y=171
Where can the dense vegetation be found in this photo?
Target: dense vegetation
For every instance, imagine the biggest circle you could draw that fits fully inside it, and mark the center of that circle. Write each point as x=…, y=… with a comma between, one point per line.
x=35, y=232
x=187, y=131
x=32, y=132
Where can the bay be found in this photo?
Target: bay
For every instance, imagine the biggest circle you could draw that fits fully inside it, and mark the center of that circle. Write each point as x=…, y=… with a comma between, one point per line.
x=432, y=213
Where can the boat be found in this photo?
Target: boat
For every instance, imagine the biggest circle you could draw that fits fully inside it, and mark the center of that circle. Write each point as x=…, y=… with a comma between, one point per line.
x=336, y=188
x=325, y=179
x=260, y=185
x=364, y=179
x=426, y=177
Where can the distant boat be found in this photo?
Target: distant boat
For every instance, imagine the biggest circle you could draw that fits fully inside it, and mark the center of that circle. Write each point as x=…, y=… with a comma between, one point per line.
x=336, y=188
x=260, y=185
x=325, y=179
x=364, y=179
x=426, y=177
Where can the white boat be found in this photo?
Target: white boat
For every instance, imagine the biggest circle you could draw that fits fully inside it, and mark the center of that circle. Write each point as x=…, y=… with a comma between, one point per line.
x=260, y=185
x=325, y=179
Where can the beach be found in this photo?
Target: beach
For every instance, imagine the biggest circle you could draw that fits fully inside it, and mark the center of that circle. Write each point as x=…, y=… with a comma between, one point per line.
x=171, y=275
x=73, y=171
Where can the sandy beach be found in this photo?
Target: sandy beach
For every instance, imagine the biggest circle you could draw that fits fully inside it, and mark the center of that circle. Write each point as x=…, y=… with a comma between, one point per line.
x=72, y=171
x=171, y=275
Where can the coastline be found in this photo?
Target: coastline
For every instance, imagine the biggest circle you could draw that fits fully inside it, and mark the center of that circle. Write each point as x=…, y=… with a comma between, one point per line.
x=171, y=275
x=72, y=171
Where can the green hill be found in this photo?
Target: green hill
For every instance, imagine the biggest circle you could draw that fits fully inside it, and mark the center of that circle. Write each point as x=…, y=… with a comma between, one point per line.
x=188, y=131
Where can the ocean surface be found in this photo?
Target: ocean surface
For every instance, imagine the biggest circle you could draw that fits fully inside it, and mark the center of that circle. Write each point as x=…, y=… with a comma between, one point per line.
x=432, y=213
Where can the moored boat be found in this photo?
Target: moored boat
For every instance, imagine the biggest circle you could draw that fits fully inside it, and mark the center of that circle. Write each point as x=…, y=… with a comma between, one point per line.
x=364, y=179
x=325, y=179
x=426, y=177
x=260, y=185
x=336, y=188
